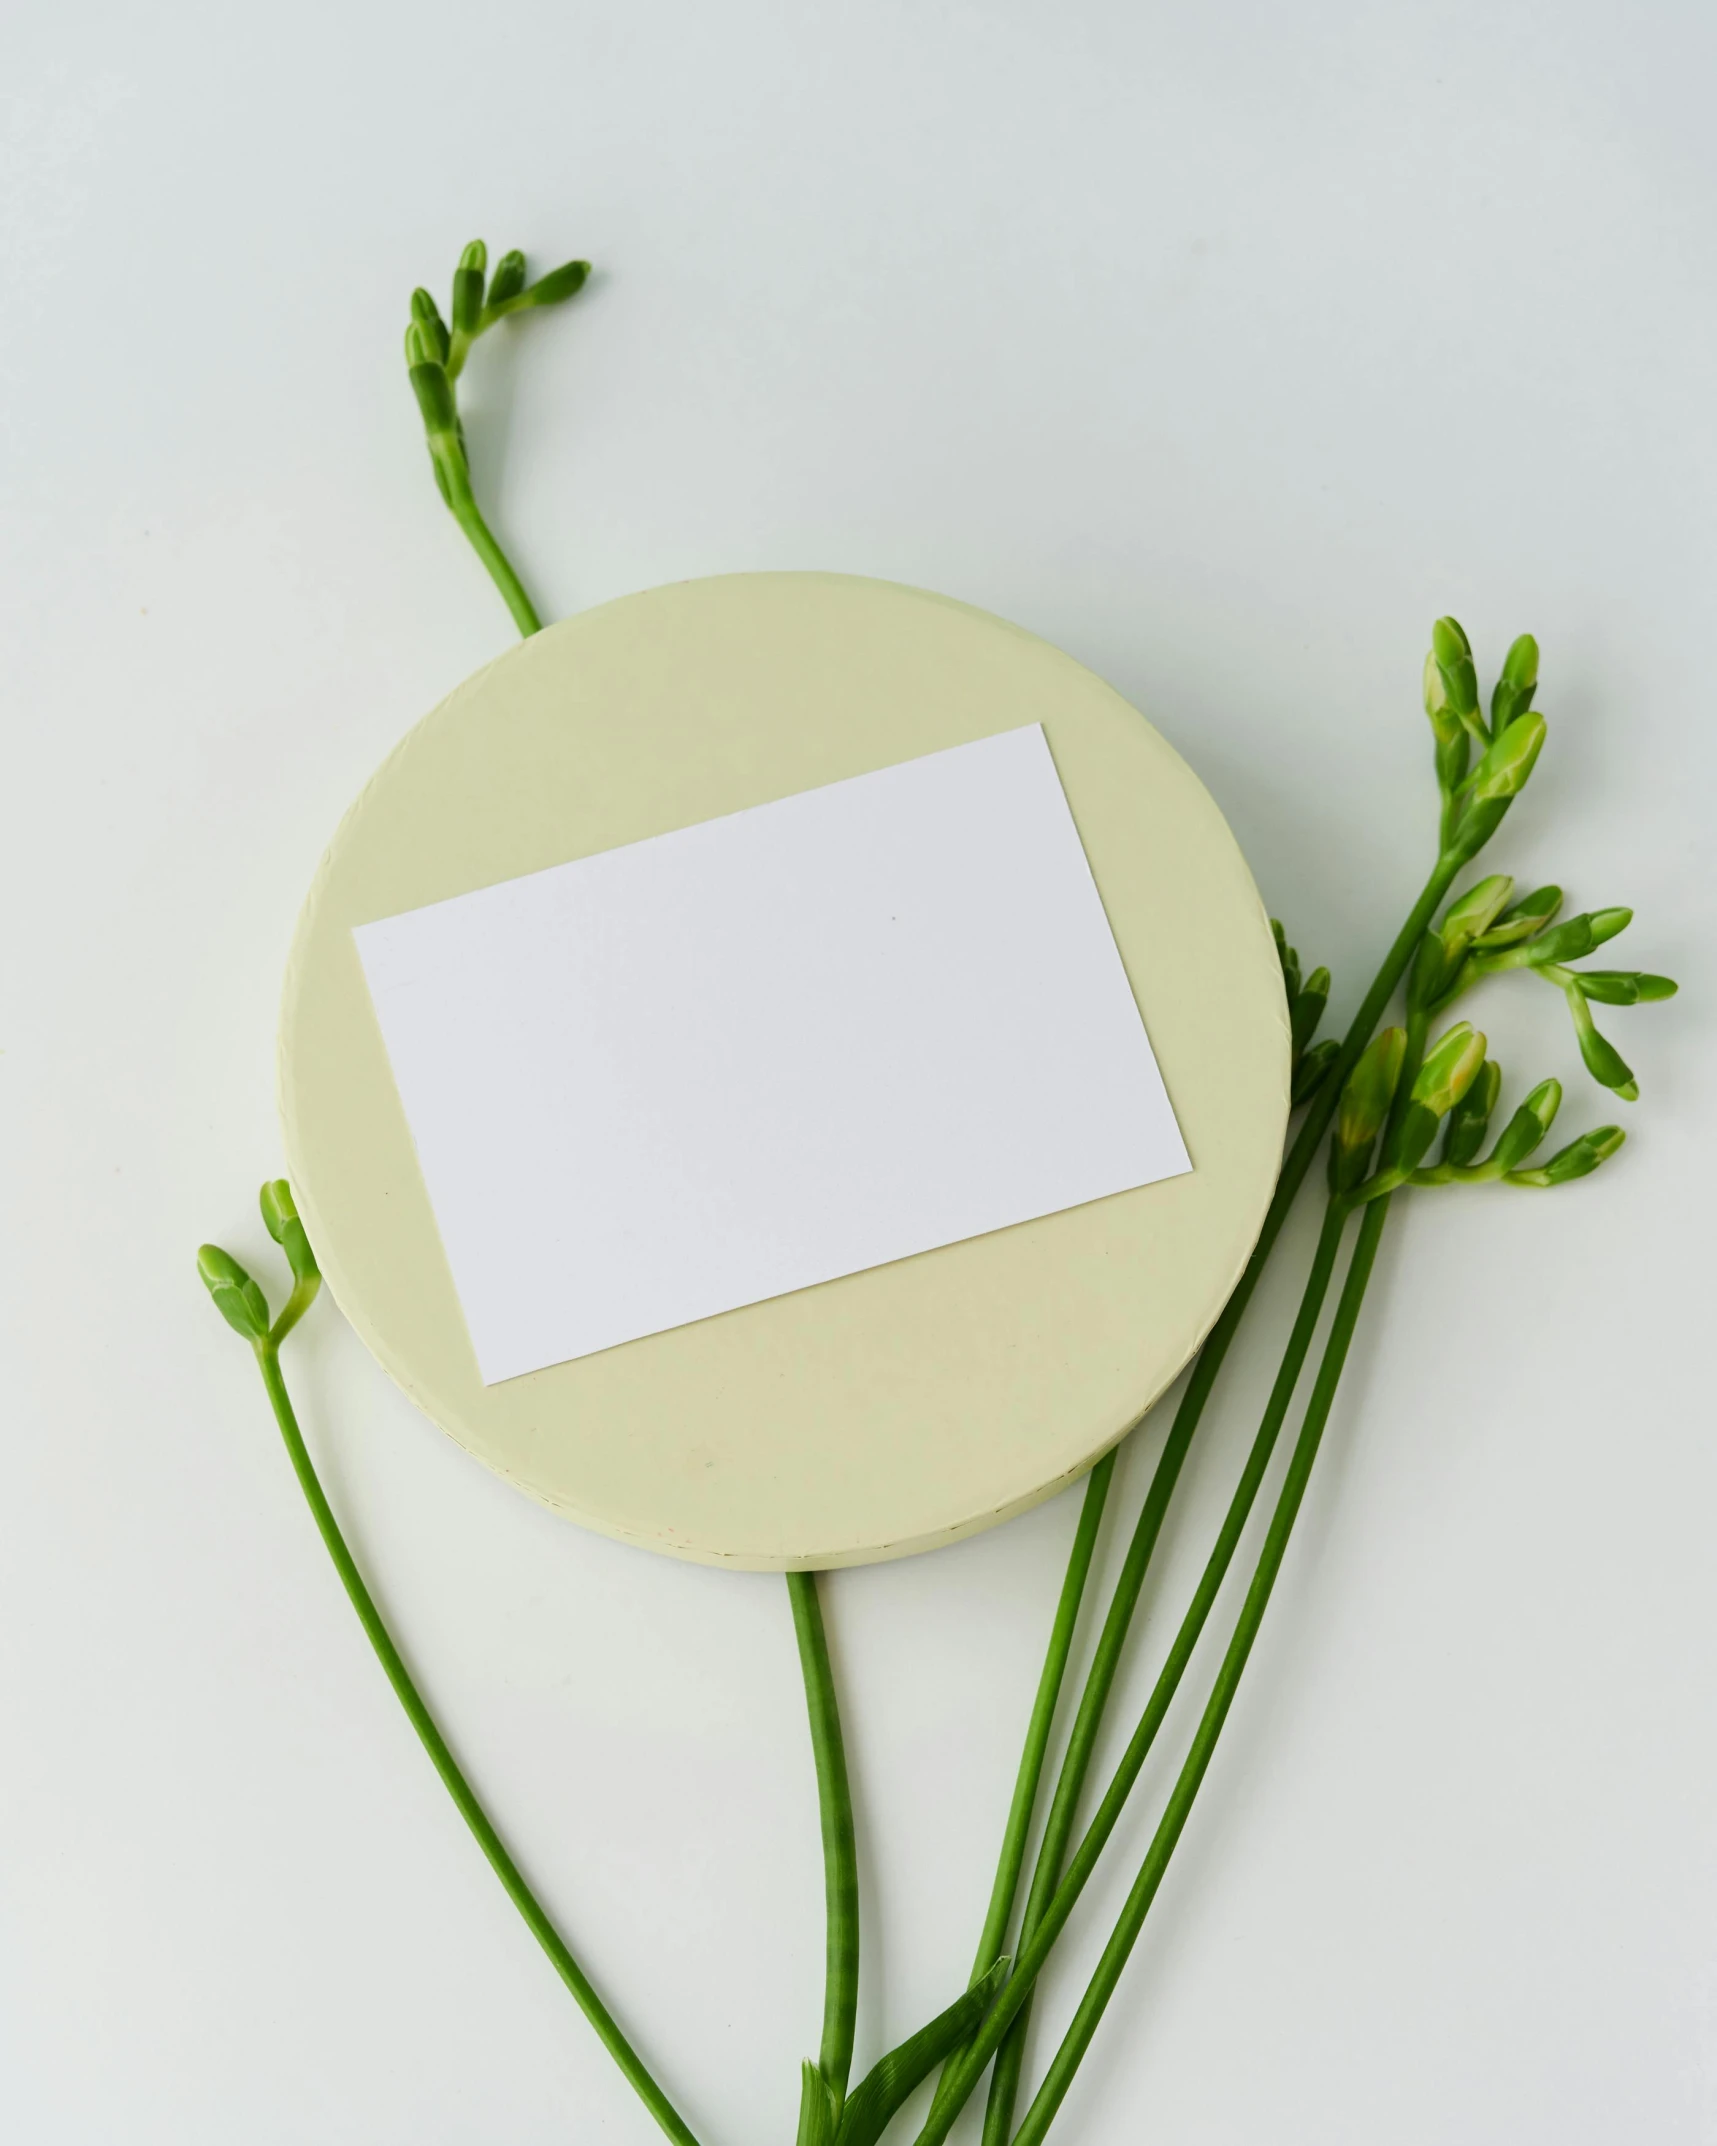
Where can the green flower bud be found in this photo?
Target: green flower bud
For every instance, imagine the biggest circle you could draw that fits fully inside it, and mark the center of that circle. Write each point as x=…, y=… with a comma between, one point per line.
x=1567, y=942
x=1470, y=1117
x=1524, y=1132
x=434, y=392
x=1514, y=689
x=508, y=280
x=237, y=1298
x=1625, y=987
x=1476, y=910
x=427, y=315
x=1449, y=1070
x=1606, y=1064
x=1364, y=1107
x=1509, y=760
x=1451, y=1066
x=1465, y=920
x=1453, y=655
x=558, y=285
x=1579, y=1159
x=1606, y=923
x=1290, y=961
x=280, y=1219
x=1446, y=725
x=1497, y=781
x=1308, y=1008
x=1313, y=1070
x=1522, y=922
x=468, y=288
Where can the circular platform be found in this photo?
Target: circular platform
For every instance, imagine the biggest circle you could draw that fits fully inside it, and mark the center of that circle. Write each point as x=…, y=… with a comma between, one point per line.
x=893, y=1410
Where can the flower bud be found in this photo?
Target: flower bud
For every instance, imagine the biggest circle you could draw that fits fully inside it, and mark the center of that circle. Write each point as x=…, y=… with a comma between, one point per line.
x=1451, y=1066
x=1290, y=961
x=1475, y=912
x=237, y=1298
x=1567, y=942
x=1470, y=1117
x=1364, y=1107
x=508, y=280
x=1307, y=1009
x=468, y=288
x=1513, y=692
x=1524, y=1132
x=1497, y=781
x=1605, y=1063
x=434, y=392
x=559, y=284
x=426, y=314
x=1453, y=655
x=280, y=1219
x=1579, y=1159
x=1606, y=923
x=1522, y=922
x=1449, y=1070
x=1446, y=725
x=1625, y=987
x=1312, y=1071
x=1509, y=760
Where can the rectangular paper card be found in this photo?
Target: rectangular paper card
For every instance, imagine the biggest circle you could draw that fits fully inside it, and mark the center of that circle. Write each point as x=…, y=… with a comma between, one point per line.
x=756, y=1054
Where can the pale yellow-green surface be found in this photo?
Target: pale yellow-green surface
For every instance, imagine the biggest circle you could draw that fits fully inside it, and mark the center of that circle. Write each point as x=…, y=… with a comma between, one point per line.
x=892, y=1410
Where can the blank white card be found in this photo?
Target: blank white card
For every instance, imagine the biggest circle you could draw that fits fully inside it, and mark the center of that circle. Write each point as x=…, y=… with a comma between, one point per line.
x=753, y=1055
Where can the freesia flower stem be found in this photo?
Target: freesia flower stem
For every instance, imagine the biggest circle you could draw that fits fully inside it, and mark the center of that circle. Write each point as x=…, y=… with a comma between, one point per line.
x=1004, y=2083
x=473, y=1813
x=462, y=501
x=1048, y=1920
x=1018, y=1828
x=1100, y=1678
x=996, y=1922
x=840, y=1851
x=1131, y=1921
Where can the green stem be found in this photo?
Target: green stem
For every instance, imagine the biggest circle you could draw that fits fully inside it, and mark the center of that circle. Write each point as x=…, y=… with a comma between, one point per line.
x=1173, y=1822
x=541, y=1928
x=1037, y=1734
x=1004, y=2082
x=1106, y=1660
x=463, y=503
x=1042, y=1719
x=840, y=1851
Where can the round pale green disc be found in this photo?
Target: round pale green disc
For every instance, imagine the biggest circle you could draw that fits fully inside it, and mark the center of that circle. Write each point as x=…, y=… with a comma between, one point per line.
x=892, y=1410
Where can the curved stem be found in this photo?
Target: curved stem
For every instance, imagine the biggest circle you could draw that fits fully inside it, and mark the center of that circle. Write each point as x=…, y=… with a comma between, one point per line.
x=840, y=1849
x=1004, y=2082
x=463, y=503
x=1173, y=1822
x=473, y=1813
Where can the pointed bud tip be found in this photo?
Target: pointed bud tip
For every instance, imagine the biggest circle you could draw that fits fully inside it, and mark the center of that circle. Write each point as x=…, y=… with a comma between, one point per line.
x=1520, y=665
x=278, y=1207
x=1449, y=641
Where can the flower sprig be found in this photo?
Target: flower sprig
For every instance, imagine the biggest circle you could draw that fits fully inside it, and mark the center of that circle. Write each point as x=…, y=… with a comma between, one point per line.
x=1481, y=936
x=1310, y=1062
x=1391, y=1096
x=436, y=354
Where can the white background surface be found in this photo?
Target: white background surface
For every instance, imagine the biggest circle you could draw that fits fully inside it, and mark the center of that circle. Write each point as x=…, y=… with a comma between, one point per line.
x=743, y=1058
x=1225, y=347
